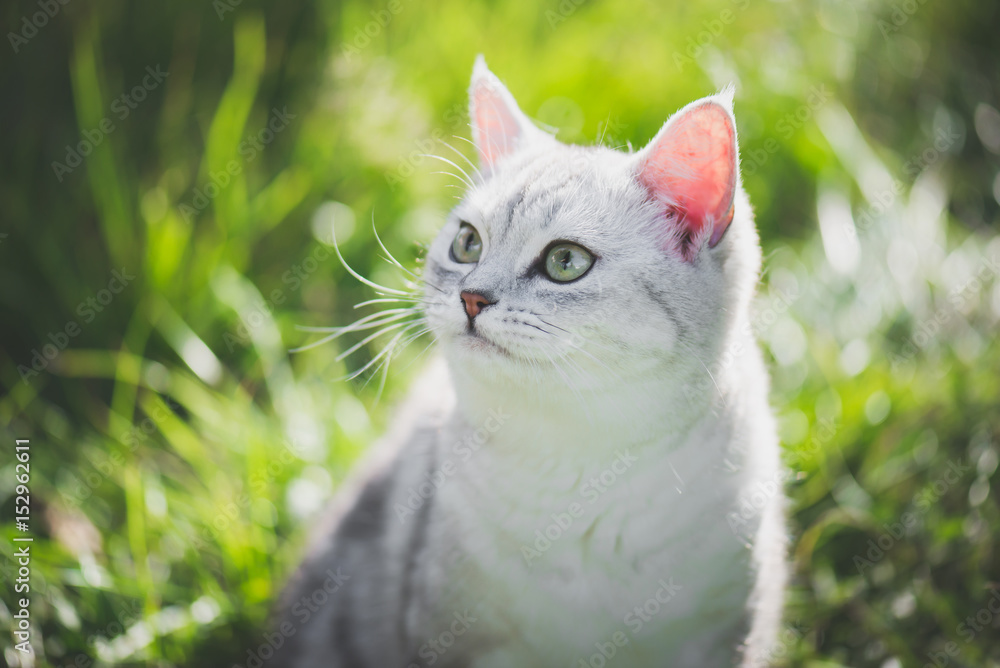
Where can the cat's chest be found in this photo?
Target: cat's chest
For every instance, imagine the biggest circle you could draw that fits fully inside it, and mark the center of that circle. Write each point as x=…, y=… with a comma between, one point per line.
x=561, y=554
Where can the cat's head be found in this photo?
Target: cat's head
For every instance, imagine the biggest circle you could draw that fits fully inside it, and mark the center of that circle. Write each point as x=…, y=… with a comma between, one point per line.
x=578, y=264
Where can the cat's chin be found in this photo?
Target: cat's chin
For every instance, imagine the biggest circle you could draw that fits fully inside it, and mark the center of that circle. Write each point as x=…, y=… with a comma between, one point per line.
x=478, y=343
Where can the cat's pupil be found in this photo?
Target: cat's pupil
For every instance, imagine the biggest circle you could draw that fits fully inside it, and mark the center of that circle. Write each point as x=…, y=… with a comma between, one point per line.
x=564, y=258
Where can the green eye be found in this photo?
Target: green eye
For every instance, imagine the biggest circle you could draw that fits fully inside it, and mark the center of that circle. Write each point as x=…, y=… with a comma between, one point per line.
x=467, y=246
x=567, y=262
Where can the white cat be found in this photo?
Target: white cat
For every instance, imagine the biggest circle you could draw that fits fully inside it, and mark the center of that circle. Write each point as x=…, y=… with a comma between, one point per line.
x=567, y=485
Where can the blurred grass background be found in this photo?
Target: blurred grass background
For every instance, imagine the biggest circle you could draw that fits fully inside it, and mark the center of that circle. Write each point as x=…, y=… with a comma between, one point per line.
x=179, y=451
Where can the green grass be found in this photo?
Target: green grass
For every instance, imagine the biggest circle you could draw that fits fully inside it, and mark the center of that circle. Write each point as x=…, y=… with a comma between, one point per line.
x=179, y=450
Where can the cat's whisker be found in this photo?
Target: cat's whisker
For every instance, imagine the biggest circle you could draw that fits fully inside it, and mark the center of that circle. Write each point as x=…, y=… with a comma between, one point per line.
x=579, y=348
x=386, y=354
x=694, y=354
x=375, y=359
x=569, y=383
x=467, y=179
x=433, y=340
x=475, y=169
x=383, y=367
x=464, y=187
x=587, y=340
x=386, y=350
x=391, y=259
x=601, y=362
x=371, y=337
x=605, y=131
x=550, y=324
x=362, y=320
x=337, y=332
x=369, y=283
x=388, y=300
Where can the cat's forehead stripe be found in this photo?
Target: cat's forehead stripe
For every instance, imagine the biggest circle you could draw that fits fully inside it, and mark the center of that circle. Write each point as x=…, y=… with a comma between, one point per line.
x=533, y=197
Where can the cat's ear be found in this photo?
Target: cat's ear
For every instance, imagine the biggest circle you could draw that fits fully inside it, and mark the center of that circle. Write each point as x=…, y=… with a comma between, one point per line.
x=499, y=128
x=690, y=168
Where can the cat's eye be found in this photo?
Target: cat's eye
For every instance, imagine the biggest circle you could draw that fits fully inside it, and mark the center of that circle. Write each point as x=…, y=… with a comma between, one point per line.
x=467, y=246
x=567, y=262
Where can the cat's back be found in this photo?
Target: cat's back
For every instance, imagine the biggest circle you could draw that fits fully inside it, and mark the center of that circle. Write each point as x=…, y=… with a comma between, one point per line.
x=356, y=598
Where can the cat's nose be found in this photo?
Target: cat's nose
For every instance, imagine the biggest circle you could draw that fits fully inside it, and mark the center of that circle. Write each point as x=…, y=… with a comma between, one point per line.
x=474, y=303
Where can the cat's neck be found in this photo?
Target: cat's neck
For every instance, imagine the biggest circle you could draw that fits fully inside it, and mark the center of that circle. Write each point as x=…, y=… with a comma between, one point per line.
x=655, y=408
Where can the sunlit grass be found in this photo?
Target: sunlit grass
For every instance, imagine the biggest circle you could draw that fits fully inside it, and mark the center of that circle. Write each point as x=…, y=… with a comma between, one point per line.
x=181, y=452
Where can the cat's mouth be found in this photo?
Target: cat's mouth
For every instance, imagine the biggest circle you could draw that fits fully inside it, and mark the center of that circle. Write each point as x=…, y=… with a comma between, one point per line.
x=479, y=342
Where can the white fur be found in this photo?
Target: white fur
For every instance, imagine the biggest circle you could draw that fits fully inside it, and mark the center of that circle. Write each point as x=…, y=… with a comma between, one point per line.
x=683, y=391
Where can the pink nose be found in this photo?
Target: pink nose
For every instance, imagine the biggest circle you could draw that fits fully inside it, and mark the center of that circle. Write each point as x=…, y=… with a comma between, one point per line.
x=474, y=303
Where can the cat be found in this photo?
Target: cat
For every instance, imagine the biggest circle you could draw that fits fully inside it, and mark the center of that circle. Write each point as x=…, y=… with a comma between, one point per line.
x=567, y=485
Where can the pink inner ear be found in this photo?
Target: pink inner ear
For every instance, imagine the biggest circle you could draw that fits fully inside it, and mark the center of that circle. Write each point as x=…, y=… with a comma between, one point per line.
x=691, y=168
x=497, y=131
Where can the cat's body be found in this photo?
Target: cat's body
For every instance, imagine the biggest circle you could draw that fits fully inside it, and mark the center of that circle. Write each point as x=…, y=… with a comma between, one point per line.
x=560, y=489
